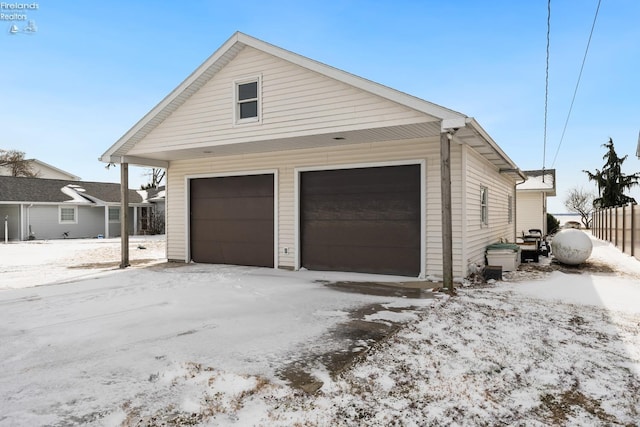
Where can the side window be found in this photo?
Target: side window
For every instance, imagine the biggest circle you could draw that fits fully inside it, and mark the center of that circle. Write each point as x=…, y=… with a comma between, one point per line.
x=510, y=208
x=114, y=214
x=484, y=206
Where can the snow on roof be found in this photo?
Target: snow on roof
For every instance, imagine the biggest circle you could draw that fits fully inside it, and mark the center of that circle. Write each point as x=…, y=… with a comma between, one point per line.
x=539, y=180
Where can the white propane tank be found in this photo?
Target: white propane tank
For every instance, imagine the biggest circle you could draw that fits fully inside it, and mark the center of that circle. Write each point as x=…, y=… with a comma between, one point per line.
x=571, y=246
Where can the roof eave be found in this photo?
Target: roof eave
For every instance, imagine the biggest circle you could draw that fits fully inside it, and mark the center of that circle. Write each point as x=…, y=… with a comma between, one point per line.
x=475, y=126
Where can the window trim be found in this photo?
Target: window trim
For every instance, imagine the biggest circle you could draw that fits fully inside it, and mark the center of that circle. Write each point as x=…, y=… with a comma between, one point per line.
x=484, y=206
x=66, y=221
x=111, y=221
x=510, y=208
x=236, y=102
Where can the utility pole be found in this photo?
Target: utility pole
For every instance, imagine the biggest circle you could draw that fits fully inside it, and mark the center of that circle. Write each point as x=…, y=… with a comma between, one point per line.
x=445, y=189
x=448, y=129
x=124, y=214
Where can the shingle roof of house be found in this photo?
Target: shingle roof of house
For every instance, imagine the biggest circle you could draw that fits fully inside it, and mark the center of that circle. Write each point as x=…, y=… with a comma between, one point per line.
x=21, y=189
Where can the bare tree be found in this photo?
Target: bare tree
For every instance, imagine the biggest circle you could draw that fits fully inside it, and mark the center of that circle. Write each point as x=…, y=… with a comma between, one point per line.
x=15, y=163
x=580, y=201
x=156, y=175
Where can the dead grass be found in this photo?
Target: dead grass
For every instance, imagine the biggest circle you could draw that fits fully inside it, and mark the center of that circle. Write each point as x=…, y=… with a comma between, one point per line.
x=212, y=403
x=561, y=406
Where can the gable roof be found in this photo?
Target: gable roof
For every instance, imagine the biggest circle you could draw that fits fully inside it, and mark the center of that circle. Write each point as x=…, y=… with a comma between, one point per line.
x=117, y=153
x=41, y=164
x=42, y=190
x=539, y=181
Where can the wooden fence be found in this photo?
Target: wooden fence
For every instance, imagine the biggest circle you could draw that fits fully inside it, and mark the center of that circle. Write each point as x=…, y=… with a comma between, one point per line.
x=620, y=226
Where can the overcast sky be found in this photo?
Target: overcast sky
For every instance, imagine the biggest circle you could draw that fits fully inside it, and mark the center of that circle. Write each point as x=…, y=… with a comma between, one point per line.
x=91, y=70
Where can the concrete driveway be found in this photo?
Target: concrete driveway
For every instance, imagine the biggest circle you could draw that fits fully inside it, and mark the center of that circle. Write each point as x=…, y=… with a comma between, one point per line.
x=72, y=352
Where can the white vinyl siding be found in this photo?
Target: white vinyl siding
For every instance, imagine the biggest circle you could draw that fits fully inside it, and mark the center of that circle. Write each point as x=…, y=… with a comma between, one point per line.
x=510, y=207
x=294, y=102
x=530, y=211
x=286, y=162
x=479, y=172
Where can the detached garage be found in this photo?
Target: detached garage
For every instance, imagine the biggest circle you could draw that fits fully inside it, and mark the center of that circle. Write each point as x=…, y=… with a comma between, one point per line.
x=276, y=160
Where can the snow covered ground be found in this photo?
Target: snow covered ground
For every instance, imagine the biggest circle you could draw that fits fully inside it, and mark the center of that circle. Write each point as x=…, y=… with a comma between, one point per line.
x=202, y=344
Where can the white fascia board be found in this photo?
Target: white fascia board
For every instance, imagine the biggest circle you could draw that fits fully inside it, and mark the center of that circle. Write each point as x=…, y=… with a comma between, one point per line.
x=453, y=123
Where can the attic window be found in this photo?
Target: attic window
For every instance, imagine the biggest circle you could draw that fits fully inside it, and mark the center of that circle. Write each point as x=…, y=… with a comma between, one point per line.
x=247, y=100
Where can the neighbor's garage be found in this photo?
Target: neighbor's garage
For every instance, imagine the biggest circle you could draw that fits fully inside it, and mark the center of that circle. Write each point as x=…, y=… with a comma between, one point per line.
x=232, y=220
x=361, y=220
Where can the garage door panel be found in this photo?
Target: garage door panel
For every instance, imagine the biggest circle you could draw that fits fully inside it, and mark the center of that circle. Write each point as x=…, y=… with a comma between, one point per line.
x=239, y=208
x=364, y=260
x=397, y=234
x=235, y=230
x=232, y=187
x=232, y=220
x=236, y=253
x=394, y=206
x=365, y=219
x=363, y=180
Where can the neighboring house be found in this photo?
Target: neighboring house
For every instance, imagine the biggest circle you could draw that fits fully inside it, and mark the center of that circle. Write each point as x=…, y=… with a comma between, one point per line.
x=277, y=160
x=531, y=200
x=44, y=170
x=37, y=208
x=151, y=219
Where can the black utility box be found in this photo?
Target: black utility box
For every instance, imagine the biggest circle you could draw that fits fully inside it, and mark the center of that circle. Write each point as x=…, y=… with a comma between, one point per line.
x=493, y=272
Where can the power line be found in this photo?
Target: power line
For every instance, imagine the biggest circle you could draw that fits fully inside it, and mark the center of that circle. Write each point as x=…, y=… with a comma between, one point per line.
x=577, y=83
x=546, y=87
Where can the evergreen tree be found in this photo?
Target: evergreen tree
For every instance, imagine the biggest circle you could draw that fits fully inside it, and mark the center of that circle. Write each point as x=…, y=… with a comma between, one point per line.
x=611, y=182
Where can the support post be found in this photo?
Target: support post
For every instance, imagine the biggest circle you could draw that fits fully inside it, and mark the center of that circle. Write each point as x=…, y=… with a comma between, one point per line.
x=445, y=188
x=633, y=230
x=624, y=227
x=124, y=215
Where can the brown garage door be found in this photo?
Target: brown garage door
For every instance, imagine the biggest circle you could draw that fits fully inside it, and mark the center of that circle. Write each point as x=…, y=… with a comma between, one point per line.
x=232, y=220
x=363, y=220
